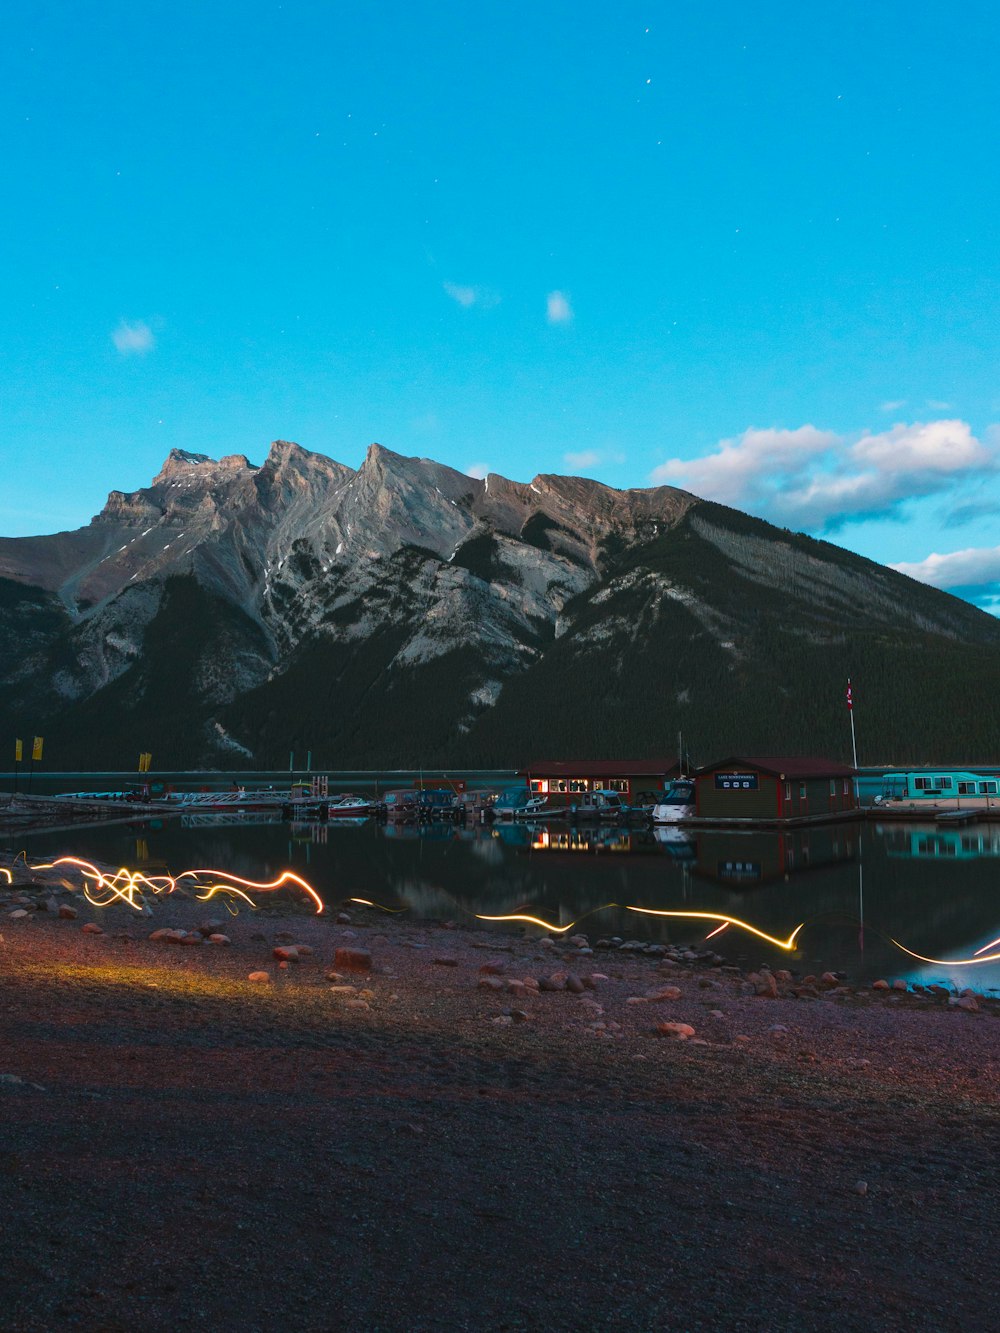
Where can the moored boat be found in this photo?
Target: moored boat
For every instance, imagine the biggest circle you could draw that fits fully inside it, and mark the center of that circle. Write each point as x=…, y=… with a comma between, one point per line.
x=676, y=804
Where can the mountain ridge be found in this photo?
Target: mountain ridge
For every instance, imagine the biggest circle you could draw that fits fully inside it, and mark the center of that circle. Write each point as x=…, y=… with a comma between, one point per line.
x=404, y=612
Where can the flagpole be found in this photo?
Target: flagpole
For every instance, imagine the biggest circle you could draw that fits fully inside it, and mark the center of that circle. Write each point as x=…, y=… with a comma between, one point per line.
x=857, y=803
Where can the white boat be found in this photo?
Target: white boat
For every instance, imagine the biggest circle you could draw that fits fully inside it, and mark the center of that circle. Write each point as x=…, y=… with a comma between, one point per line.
x=676, y=804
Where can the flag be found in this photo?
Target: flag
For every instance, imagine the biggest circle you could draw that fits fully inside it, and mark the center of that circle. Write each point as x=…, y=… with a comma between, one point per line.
x=36, y=747
x=850, y=699
x=18, y=751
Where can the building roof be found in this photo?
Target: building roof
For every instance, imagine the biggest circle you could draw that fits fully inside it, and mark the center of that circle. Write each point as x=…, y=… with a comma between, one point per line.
x=785, y=766
x=599, y=768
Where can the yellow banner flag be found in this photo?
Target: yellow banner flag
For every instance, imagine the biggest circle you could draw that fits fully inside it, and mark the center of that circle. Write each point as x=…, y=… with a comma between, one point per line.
x=18, y=751
x=36, y=747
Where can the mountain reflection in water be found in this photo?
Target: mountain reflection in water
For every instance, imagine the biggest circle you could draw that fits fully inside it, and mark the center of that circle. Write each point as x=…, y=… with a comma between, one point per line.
x=854, y=888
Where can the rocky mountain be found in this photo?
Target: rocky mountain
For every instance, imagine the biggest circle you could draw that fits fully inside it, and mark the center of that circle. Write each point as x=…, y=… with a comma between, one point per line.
x=407, y=614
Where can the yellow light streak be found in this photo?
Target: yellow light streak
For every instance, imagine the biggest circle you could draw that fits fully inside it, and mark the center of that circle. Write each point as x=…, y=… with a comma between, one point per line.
x=534, y=920
x=788, y=944
x=717, y=931
x=102, y=888
x=951, y=962
x=5, y=871
x=367, y=902
x=286, y=877
x=992, y=945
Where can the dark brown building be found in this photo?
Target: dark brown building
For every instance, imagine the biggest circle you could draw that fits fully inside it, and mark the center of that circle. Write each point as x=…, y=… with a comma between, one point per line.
x=777, y=788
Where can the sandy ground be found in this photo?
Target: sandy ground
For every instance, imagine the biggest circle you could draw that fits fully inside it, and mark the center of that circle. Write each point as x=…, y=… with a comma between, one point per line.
x=184, y=1148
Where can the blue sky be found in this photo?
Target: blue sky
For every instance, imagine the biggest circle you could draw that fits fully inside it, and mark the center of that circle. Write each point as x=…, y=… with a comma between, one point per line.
x=748, y=249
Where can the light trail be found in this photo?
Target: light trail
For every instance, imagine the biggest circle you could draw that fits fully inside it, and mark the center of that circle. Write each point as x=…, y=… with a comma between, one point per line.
x=102, y=888
x=534, y=920
x=979, y=957
x=286, y=877
x=788, y=944
x=367, y=902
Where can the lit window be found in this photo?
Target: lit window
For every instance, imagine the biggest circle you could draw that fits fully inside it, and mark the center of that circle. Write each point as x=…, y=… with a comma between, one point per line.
x=802, y=791
x=788, y=791
x=833, y=786
x=846, y=788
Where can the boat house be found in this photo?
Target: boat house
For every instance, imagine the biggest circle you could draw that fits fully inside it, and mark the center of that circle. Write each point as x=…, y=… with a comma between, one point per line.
x=562, y=780
x=778, y=789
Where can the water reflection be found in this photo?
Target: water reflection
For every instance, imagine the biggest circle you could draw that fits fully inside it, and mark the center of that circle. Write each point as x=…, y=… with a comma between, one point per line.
x=852, y=888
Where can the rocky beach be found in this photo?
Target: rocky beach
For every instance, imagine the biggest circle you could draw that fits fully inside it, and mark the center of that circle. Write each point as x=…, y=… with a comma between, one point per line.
x=278, y=1119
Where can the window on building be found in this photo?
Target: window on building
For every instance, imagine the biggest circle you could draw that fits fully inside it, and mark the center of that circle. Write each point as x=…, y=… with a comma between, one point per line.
x=923, y=784
x=617, y=784
x=788, y=791
x=538, y=784
x=987, y=789
x=966, y=789
x=579, y=784
x=833, y=786
x=945, y=784
x=846, y=789
x=802, y=791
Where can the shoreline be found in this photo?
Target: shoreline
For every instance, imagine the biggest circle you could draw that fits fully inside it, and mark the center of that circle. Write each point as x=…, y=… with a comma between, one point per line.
x=432, y=1143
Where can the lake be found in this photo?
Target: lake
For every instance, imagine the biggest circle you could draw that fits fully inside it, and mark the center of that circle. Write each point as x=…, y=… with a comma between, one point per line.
x=861, y=893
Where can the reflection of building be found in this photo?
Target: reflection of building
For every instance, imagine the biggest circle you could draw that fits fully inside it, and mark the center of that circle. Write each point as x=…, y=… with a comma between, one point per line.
x=573, y=839
x=561, y=781
x=783, y=789
x=930, y=844
x=744, y=859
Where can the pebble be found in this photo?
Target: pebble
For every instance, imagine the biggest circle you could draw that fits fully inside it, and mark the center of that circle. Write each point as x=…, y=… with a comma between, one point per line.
x=259, y=976
x=287, y=953
x=343, y=990
x=445, y=960
x=899, y=985
x=494, y=968
x=352, y=960
x=677, y=1031
x=765, y=984
x=492, y=983
x=861, y=1187
x=343, y=919
x=574, y=984
x=967, y=1002
x=17, y=913
x=219, y=938
x=92, y=928
x=881, y=984
x=357, y=1004
x=66, y=912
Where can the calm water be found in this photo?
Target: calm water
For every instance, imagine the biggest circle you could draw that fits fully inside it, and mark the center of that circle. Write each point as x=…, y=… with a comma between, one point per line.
x=856, y=888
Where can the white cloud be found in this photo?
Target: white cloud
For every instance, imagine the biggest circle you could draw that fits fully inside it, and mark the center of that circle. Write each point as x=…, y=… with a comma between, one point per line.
x=478, y=470
x=893, y=405
x=470, y=296
x=558, y=308
x=819, y=480
x=936, y=405
x=133, y=339
x=974, y=567
x=585, y=458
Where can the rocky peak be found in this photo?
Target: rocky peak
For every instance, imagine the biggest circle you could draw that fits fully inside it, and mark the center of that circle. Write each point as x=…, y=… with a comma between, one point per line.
x=179, y=460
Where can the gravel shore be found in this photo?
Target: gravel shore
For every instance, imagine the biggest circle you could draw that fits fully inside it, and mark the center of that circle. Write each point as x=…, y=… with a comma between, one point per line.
x=439, y=1128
